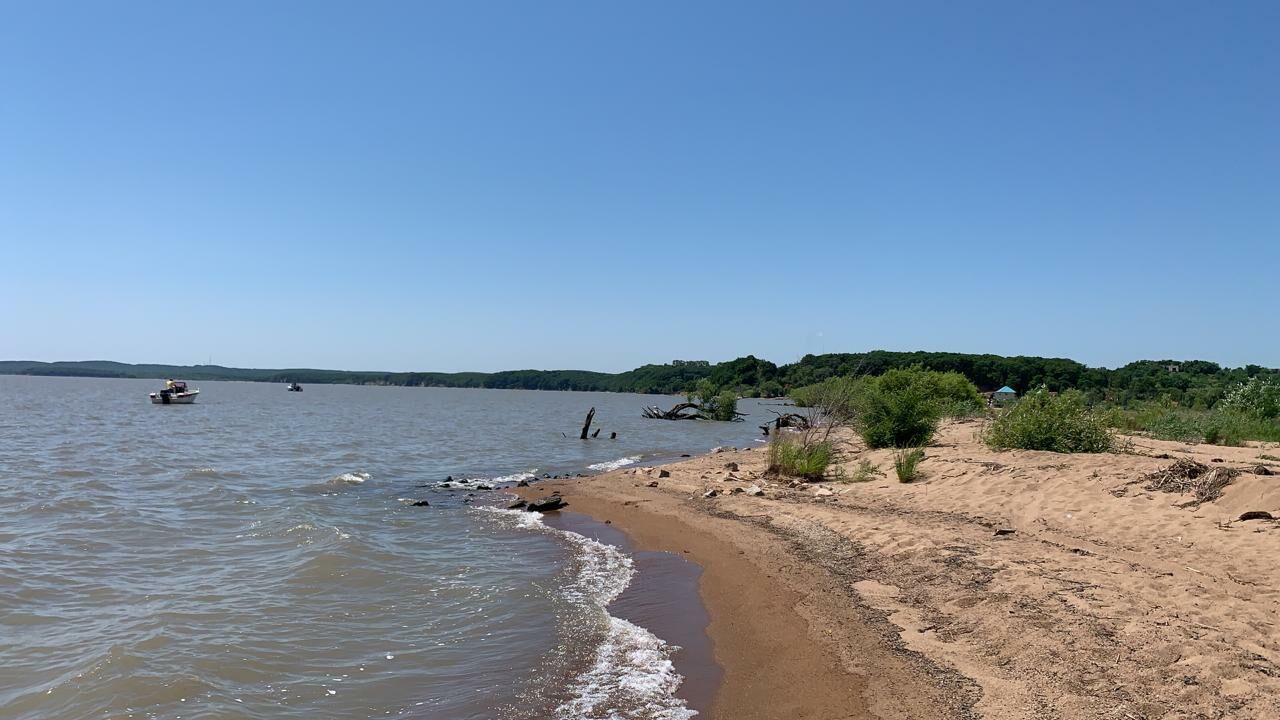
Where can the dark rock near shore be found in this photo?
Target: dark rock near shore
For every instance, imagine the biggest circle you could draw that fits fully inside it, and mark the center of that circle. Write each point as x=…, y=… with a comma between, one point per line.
x=422, y=503
x=523, y=483
x=1257, y=515
x=518, y=505
x=652, y=483
x=731, y=467
x=1263, y=470
x=546, y=504
x=664, y=473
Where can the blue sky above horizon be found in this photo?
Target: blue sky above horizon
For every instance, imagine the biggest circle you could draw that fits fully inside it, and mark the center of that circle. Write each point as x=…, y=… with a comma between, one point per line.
x=430, y=186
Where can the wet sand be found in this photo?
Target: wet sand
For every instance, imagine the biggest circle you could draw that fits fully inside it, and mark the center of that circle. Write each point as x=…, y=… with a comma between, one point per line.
x=664, y=599
x=777, y=664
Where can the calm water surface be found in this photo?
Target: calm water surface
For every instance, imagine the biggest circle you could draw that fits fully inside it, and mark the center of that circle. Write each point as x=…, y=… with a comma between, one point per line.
x=254, y=555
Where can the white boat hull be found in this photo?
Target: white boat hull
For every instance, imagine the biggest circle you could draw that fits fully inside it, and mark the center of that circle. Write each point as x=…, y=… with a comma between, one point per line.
x=183, y=398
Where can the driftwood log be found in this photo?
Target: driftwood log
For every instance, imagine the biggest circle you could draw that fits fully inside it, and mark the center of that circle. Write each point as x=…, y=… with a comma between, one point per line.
x=586, y=425
x=682, y=411
x=787, y=420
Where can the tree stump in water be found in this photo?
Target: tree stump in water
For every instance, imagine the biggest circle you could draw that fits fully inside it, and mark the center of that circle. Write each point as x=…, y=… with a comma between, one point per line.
x=586, y=425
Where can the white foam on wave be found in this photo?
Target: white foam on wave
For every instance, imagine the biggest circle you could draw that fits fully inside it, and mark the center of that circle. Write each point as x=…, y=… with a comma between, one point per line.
x=350, y=478
x=615, y=464
x=482, y=483
x=632, y=676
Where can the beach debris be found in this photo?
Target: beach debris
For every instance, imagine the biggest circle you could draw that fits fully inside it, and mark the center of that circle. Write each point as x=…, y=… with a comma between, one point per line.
x=1004, y=531
x=484, y=487
x=735, y=491
x=1263, y=470
x=522, y=483
x=723, y=448
x=823, y=492
x=546, y=504
x=421, y=503
x=682, y=411
x=685, y=455
x=1204, y=483
x=664, y=473
x=652, y=483
x=518, y=505
x=1257, y=515
x=731, y=466
x=755, y=490
x=789, y=420
x=711, y=493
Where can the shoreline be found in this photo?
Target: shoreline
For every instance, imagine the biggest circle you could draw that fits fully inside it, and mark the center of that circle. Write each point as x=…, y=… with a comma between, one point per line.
x=888, y=600
x=775, y=637
x=663, y=599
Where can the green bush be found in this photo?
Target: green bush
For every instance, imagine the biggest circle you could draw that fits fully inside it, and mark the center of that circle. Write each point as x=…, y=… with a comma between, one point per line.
x=838, y=398
x=1166, y=421
x=1257, y=396
x=714, y=402
x=898, y=411
x=906, y=462
x=1040, y=421
x=793, y=456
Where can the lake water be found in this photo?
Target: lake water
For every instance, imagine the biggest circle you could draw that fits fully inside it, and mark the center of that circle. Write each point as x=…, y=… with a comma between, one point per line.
x=255, y=555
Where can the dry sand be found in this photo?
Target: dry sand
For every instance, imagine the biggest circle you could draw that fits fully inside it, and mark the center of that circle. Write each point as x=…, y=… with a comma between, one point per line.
x=890, y=600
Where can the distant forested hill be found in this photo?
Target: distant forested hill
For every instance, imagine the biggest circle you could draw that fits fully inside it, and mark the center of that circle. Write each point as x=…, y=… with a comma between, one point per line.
x=1191, y=383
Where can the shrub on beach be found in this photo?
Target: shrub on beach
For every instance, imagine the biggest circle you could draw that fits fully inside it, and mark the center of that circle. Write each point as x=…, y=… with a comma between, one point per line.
x=838, y=398
x=1165, y=420
x=793, y=455
x=900, y=410
x=1040, y=421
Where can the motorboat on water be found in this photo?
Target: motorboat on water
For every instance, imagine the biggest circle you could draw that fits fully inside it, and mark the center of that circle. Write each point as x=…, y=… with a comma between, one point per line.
x=295, y=387
x=175, y=392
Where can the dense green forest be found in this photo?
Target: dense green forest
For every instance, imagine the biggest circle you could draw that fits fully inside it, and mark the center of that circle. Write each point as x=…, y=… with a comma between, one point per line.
x=1191, y=384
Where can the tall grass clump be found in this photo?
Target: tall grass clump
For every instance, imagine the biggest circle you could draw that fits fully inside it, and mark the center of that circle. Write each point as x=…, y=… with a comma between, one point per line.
x=1040, y=421
x=799, y=455
x=906, y=463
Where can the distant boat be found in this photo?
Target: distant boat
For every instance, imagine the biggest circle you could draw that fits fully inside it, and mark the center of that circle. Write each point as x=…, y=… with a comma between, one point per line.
x=175, y=392
x=295, y=387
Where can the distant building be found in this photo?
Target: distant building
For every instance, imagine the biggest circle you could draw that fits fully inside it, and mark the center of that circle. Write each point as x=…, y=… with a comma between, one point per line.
x=1173, y=368
x=1003, y=396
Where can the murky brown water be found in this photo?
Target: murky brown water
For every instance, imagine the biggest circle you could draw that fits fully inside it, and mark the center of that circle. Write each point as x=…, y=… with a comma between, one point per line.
x=254, y=555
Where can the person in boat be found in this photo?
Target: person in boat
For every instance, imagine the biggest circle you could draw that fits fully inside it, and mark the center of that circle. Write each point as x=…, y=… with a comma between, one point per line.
x=168, y=384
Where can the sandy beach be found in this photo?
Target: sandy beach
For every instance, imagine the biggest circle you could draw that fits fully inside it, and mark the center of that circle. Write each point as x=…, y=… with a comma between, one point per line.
x=1005, y=585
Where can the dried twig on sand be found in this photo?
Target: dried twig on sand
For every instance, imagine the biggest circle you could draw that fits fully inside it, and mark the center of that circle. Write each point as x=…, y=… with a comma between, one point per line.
x=1204, y=483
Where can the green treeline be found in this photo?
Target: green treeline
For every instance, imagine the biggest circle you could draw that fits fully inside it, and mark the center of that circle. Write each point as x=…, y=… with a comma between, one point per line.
x=1189, y=384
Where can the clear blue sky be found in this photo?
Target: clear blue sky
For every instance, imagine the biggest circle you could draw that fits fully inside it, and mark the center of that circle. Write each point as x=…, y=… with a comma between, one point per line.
x=432, y=186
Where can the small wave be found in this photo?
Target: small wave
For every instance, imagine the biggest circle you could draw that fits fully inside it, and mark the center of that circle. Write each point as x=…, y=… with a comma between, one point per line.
x=632, y=676
x=482, y=483
x=615, y=464
x=350, y=478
